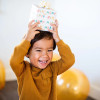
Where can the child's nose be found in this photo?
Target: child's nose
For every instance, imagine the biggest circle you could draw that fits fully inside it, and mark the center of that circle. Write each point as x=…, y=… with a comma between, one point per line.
x=45, y=54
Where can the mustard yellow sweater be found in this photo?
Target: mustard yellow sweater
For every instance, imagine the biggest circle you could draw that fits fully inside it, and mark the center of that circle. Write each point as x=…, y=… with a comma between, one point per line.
x=35, y=83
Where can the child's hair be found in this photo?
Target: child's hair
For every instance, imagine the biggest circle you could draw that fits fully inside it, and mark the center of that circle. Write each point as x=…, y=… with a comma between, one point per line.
x=43, y=34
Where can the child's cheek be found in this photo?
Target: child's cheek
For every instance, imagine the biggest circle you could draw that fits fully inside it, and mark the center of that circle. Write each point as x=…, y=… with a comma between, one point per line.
x=51, y=55
x=37, y=56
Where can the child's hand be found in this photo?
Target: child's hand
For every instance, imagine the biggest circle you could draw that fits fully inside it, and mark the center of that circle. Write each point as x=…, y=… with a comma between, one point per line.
x=32, y=31
x=55, y=31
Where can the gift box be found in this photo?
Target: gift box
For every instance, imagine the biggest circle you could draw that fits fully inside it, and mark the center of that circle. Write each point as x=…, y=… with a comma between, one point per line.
x=43, y=15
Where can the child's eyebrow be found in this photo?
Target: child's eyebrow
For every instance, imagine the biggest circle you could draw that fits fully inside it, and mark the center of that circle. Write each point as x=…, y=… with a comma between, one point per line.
x=50, y=48
x=37, y=48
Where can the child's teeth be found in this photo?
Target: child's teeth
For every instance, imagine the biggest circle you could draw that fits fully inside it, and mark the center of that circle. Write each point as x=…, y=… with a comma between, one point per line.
x=43, y=61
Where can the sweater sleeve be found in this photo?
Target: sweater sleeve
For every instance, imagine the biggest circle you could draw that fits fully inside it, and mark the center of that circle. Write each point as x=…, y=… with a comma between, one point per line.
x=66, y=61
x=17, y=59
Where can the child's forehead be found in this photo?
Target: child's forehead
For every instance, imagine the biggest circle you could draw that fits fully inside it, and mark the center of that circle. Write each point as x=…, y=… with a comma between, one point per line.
x=37, y=47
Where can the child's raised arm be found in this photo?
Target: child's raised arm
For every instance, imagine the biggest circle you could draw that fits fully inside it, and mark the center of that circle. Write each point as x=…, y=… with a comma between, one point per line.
x=17, y=59
x=66, y=61
x=67, y=57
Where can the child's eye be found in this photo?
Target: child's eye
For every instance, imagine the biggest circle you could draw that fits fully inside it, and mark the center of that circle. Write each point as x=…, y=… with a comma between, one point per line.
x=38, y=50
x=50, y=50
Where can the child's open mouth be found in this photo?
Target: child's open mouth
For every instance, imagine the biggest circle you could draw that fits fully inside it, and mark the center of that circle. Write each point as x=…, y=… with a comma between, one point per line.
x=43, y=62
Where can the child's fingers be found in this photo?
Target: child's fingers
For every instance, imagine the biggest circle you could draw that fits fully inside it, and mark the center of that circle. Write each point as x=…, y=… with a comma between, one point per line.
x=36, y=28
x=54, y=27
x=30, y=23
x=34, y=25
x=56, y=21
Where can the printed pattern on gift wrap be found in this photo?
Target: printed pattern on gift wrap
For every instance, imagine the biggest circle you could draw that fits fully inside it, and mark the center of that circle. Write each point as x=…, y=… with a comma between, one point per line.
x=45, y=17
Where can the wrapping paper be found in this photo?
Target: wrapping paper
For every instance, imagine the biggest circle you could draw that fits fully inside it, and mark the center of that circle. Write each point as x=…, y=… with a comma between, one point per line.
x=44, y=16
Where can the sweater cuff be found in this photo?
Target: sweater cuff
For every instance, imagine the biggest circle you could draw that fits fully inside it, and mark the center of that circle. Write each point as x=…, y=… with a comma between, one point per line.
x=25, y=44
x=60, y=42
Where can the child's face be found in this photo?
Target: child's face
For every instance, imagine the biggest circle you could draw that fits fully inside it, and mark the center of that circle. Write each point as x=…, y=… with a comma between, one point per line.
x=41, y=53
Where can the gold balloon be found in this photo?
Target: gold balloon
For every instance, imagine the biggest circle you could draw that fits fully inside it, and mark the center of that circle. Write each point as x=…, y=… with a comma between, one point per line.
x=2, y=75
x=72, y=85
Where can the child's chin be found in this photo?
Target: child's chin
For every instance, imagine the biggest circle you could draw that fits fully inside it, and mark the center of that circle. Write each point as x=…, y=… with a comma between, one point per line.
x=42, y=67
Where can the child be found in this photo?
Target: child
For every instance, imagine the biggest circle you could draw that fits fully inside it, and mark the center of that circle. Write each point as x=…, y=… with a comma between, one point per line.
x=37, y=78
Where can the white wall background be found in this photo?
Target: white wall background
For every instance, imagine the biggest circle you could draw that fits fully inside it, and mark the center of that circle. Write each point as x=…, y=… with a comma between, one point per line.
x=79, y=26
